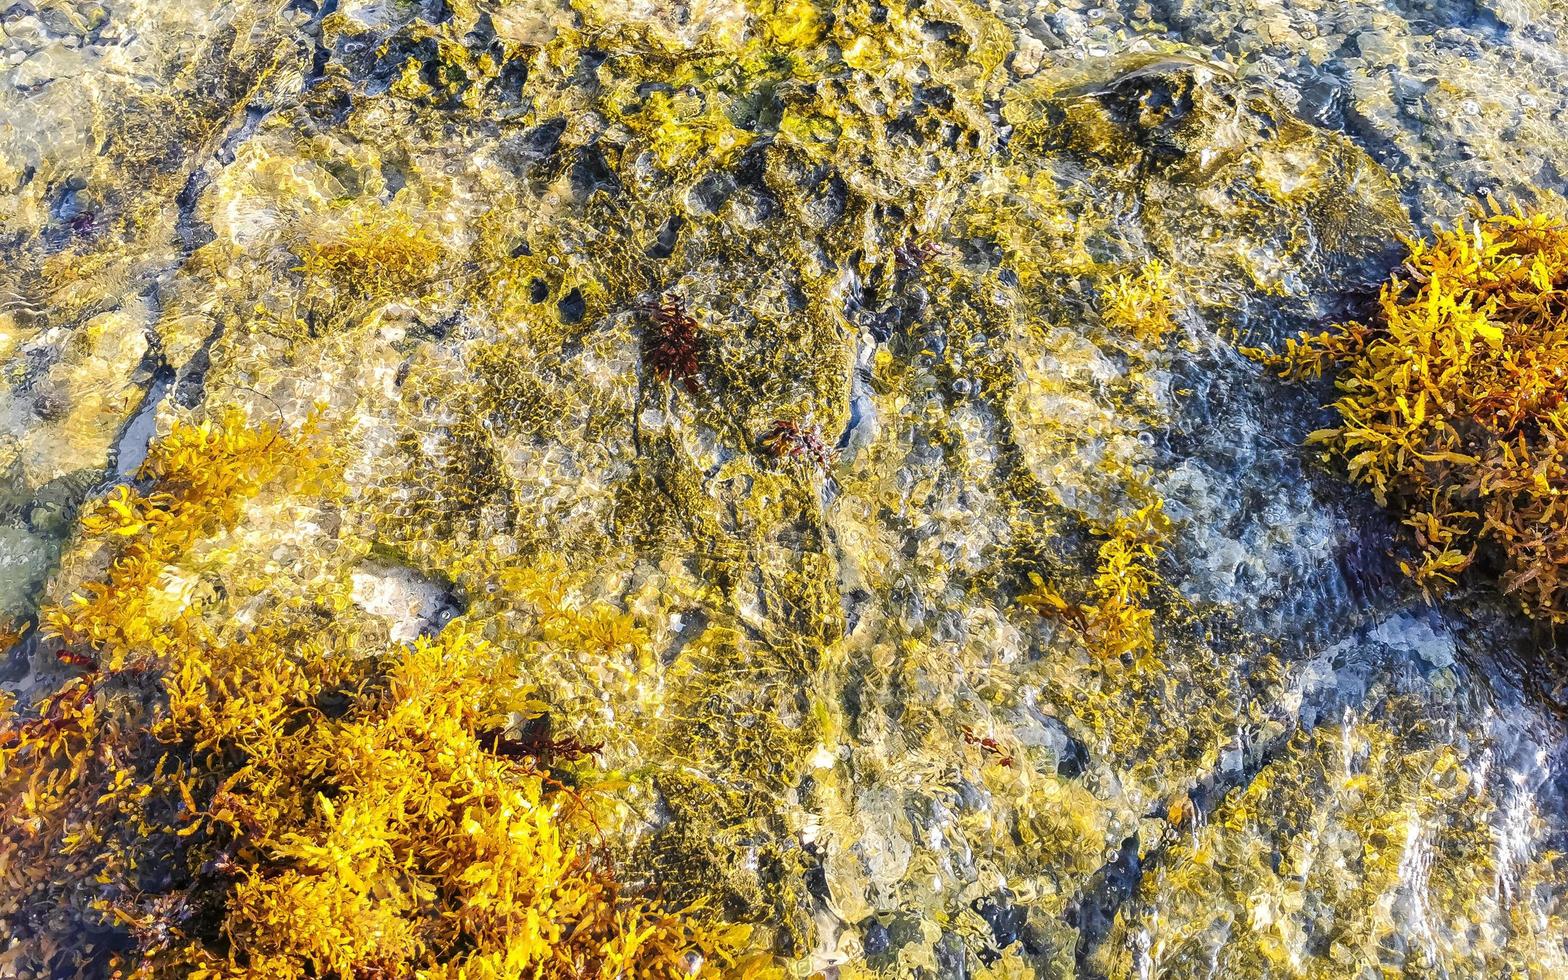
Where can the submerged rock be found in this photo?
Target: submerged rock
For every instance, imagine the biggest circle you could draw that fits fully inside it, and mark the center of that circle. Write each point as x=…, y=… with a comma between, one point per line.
x=1053, y=654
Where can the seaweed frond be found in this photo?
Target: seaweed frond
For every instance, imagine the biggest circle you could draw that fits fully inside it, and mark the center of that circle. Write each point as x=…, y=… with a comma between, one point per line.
x=280, y=803
x=1452, y=406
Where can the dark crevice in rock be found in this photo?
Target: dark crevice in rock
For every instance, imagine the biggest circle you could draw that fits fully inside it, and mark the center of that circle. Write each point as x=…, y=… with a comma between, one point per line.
x=1098, y=904
x=572, y=306
x=1110, y=888
x=242, y=126
x=191, y=387
x=131, y=445
x=1009, y=923
x=665, y=240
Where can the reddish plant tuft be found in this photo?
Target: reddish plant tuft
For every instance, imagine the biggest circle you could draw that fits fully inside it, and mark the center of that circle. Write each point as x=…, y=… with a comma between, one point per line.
x=672, y=344
x=798, y=440
x=914, y=253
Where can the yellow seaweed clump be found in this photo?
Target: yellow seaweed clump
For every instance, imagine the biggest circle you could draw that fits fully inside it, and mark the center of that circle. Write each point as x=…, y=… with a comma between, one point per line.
x=1452, y=402
x=214, y=801
x=434, y=843
x=200, y=476
x=1117, y=620
x=11, y=633
x=1140, y=306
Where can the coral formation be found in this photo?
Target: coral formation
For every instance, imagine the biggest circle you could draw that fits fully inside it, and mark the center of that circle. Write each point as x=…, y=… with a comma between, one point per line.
x=1452, y=405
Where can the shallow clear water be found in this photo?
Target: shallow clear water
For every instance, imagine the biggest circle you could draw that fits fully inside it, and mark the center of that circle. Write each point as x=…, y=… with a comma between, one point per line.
x=438, y=226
